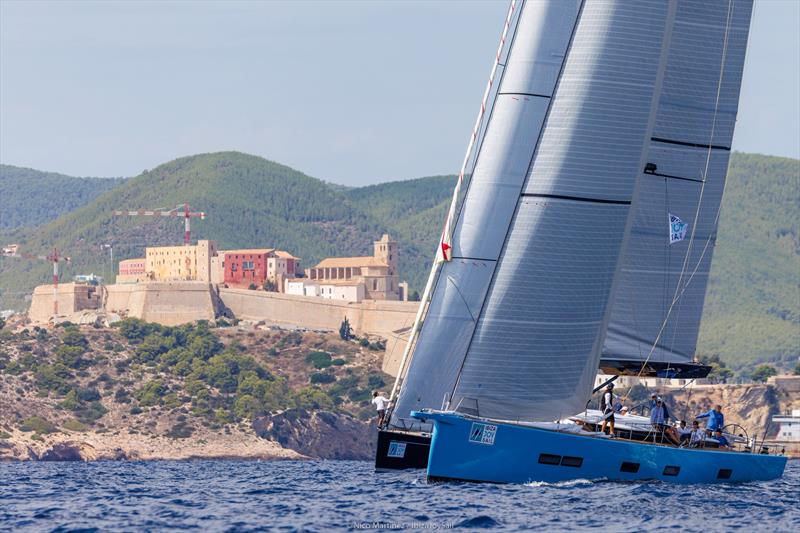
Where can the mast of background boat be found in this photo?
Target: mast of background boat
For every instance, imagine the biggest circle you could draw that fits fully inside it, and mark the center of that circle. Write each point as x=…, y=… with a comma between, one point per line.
x=442, y=252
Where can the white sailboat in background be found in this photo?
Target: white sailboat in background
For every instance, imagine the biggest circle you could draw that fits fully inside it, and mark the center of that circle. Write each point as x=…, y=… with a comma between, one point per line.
x=610, y=117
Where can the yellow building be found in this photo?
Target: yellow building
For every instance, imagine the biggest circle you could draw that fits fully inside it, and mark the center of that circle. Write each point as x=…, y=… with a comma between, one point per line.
x=377, y=272
x=181, y=263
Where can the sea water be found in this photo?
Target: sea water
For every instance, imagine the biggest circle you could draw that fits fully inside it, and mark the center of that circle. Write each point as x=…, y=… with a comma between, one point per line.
x=349, y=495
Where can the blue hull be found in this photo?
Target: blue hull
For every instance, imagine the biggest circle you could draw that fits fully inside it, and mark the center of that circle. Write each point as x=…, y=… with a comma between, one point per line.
x=472, y=449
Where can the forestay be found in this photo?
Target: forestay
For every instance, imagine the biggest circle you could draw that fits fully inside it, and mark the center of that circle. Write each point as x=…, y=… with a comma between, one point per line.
x=659, y=303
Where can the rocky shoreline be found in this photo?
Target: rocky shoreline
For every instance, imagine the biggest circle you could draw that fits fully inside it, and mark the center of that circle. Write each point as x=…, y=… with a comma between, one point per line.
x=289, y=435
x=92, y=446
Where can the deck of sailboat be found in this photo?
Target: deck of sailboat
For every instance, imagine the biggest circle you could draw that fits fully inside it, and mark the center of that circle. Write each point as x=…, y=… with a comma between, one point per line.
x=573, y=428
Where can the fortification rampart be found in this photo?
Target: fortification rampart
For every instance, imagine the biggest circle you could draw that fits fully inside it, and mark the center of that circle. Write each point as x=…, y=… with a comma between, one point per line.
x=168, y=303
x=72, y=298
x=366, y=317
x=180, y=302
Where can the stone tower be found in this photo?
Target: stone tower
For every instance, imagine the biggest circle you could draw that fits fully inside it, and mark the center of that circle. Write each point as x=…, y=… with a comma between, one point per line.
x=386, y=251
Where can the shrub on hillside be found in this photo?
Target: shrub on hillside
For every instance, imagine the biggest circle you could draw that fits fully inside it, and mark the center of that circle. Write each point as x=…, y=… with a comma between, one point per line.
x=151, y=393
x=54, y=378
x=320, y=378
x=246, y=406
x=180, y=431
x=135, y=330
x=313, y=398
x=38, y=425
x=763, y=372
x=122, y=395
x=72, y=356
x=319, y=359
x=74, y=425
x=73, y=337
x=375, y=381
x=152, y=346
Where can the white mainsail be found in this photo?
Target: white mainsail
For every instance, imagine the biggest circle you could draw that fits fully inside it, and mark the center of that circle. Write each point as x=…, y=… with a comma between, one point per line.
x=659, y=303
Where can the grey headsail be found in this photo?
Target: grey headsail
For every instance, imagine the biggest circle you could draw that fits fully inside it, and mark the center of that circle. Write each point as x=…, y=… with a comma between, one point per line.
x=659, y=302
x=534, y=60
x=536, y=346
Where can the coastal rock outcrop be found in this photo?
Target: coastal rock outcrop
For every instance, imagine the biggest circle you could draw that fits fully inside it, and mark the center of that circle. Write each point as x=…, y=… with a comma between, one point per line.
x=319, y=434
x=63, y=451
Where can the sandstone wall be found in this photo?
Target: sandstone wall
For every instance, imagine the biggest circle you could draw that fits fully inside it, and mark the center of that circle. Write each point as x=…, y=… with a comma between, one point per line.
x=71, y=297
x=367, y=317
x=168, y=303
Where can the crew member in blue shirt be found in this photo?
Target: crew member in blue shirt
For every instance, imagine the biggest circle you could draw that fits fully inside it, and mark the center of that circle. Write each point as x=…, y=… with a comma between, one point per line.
x=716, y=420
x=724, y=444
x=659, y=418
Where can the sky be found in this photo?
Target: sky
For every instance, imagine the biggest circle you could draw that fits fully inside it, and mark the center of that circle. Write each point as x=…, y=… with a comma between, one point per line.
x=350, y=92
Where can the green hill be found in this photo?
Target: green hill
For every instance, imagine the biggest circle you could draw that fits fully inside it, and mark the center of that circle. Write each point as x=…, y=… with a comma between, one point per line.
x=250, y=202
x=752, y=310
x=29, y=198
x=753, y=305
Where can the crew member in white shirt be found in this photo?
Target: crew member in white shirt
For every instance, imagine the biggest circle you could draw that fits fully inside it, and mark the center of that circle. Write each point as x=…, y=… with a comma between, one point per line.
x=381, y=402
x=697, y=437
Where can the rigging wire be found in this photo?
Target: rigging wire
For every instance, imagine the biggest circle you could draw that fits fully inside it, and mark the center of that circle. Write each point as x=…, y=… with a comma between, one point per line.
x=679, y=291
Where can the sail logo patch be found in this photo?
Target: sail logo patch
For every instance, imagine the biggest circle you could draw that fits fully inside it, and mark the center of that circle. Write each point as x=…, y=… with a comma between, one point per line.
x=482, y=433
x=677, y=229
x=396, y=449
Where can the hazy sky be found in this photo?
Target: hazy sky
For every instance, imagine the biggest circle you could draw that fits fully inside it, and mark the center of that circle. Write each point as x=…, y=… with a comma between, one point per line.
x=350, y=92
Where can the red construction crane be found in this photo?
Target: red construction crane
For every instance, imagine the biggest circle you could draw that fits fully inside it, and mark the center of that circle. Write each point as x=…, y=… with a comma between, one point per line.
x=53, y=257
x=186, y=214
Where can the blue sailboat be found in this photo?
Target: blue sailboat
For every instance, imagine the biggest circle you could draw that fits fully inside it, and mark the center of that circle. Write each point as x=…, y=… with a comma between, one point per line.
x=474, y=449
x=584, y=240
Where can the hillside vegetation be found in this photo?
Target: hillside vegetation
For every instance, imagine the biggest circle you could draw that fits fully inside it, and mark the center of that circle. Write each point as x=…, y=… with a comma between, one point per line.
x=753, y=305
x=752, y=310
x=142, y=378
x=29, y=198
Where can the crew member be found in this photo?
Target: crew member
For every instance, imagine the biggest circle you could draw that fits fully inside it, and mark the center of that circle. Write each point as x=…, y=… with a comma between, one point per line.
x=381, y=403
x=659, y=418
x=716, y=420
x=724, y=444
x=684, y=432
x=607, y=402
